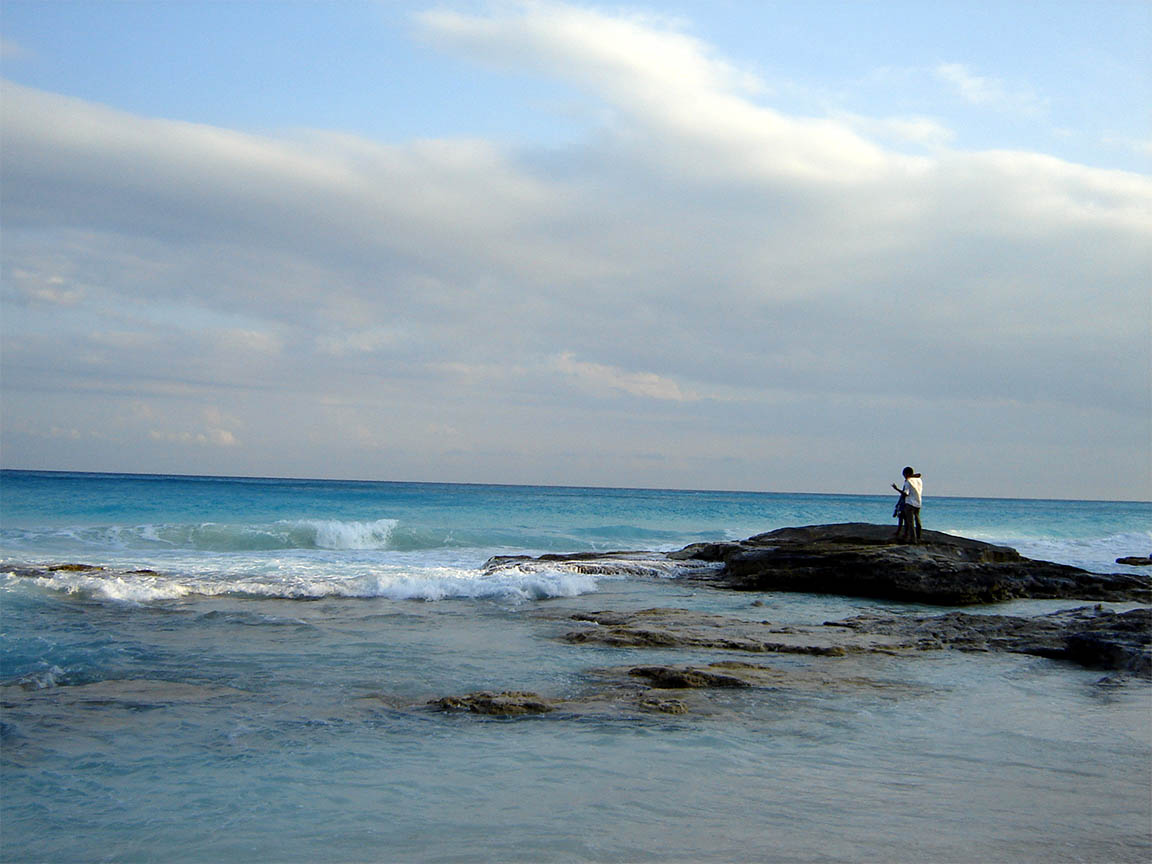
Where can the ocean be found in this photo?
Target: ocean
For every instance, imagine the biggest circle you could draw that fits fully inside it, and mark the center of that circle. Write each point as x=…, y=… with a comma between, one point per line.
x=248, y=678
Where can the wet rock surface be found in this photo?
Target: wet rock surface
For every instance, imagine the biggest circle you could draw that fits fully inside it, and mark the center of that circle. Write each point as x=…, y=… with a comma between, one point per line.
x=509, y=703
x=862, y=560
x=696, y=689
x=1096, y=638
x=1089, y=636
x=680, y=678
x=1119, y=642
x=856, y=559
x=681, y=628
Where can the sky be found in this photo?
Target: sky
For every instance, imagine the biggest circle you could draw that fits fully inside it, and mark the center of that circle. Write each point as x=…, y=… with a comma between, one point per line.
x=770, y=246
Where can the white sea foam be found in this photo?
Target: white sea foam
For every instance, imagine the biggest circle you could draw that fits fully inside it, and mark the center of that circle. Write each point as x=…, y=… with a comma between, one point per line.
x=395, y=583
x=1098, y=554
x=357, y=572
x=42, y=679
x=335, y=534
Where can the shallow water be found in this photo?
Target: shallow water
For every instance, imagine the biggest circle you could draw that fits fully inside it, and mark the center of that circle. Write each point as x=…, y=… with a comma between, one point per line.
x=233, y=725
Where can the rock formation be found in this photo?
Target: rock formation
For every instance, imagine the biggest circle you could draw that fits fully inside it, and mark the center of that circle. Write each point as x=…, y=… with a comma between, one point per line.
x=860, y=560
x=510, y=703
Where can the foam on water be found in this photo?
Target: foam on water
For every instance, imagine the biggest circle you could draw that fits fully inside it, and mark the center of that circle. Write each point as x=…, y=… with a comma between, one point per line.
x=334, y=534
x=309, y=579
x=1097, y=554
x=395, y=583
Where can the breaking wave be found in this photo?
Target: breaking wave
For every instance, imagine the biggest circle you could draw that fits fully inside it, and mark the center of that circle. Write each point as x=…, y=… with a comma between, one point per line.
x=221, y=537
x=510, y=584
x=328, y=534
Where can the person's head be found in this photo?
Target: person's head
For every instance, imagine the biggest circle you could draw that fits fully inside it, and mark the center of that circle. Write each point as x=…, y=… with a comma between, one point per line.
x=908, y=472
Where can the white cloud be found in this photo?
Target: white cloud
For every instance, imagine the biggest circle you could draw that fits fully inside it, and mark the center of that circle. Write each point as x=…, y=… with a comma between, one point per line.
x=988, y=92
x=205, y=438
x=30, y=286
x=601, y=378
x=925, y=131
x=672, y=87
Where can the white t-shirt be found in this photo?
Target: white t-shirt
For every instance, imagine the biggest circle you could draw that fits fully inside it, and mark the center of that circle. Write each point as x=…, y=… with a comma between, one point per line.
x=913, y=488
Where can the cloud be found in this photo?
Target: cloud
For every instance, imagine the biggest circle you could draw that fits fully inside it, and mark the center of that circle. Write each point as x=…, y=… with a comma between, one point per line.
x=671, y=86
x=216, y=429
x=248, y=341
x=700, y=273
x=925, y=131
x=599, y=378
x=987, y=92
x=206, y=438
x=25, y=286
x=1139, y=146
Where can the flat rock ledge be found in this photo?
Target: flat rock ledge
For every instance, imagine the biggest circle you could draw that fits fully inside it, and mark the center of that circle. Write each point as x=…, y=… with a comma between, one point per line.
x=1119, y=643
x=684, y=629
x=669, y=689
x=1093, y=637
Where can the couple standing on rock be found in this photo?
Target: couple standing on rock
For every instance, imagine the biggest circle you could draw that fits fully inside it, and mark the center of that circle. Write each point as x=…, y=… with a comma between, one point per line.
x=908, y=507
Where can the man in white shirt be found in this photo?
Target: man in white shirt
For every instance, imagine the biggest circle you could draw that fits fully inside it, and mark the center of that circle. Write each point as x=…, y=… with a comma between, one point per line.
x=914, y=492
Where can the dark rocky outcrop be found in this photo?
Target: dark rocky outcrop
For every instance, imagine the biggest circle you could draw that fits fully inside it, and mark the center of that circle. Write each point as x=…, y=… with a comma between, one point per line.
x=1136, y=560
x=861, y=560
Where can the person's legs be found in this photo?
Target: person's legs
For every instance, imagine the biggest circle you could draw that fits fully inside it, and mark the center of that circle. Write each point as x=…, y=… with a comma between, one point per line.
x=912, y=520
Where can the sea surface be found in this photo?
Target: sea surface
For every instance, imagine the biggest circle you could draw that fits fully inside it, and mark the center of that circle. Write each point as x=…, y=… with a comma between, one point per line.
x=248, y=679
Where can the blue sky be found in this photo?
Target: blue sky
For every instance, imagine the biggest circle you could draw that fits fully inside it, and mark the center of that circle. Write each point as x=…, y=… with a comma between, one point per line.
x=1071, y=78
x=727, y=244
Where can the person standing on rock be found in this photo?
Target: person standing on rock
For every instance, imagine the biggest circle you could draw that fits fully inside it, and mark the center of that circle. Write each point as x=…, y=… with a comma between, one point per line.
x=912, y=494
x=898, y=511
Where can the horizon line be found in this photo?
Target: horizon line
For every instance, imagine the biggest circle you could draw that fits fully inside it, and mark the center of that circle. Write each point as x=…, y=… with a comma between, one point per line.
x=547, y=485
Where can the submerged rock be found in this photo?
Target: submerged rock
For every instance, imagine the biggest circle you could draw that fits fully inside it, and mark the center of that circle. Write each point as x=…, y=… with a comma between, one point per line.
x=1093, y=637
x=510, y=703
x=681, y=628
x=1135, y=560
x=676, y=678
x=1089, y=636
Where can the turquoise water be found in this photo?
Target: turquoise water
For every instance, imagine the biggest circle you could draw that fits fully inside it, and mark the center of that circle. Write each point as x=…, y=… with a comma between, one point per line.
x=259, y=692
